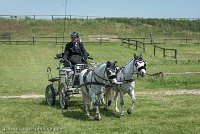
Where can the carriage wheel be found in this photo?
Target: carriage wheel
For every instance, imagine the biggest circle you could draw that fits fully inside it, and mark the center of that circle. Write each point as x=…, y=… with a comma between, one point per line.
x=50, y=95
x=64, y=96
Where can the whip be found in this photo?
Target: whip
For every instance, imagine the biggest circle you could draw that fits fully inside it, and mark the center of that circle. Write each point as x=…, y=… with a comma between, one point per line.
x=64, y=24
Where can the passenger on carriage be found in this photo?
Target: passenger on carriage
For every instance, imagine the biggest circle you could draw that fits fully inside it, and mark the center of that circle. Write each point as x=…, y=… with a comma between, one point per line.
x=75, y=51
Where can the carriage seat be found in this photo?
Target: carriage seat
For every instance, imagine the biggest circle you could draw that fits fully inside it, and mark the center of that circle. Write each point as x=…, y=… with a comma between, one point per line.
x=67, y=63
x=59, y=55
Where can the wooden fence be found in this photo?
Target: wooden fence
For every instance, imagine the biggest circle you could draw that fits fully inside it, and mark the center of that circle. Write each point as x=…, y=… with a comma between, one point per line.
x=32, y=40
x=44, y=39
x=136, y=43
x=164, y=51
x=52, y=17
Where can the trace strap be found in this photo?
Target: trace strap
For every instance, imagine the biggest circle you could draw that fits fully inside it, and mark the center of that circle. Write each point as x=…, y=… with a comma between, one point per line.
x=99, y=76
x=126, y=81
x=91, y=83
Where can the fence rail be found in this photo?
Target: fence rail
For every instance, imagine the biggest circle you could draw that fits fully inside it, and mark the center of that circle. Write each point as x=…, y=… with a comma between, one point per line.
x=43, y=39
x=164, y=51
x=54, y=16
x=137, y=42
x=51, y=17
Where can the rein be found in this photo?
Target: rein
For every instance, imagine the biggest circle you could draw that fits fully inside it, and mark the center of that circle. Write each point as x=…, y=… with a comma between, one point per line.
x=99, y=76
x=130, y=80
x=127, y=81
x=93, y=83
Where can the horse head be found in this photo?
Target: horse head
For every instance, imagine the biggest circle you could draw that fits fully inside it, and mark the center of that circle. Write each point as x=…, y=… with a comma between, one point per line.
x=140, y=65
x=111, y=69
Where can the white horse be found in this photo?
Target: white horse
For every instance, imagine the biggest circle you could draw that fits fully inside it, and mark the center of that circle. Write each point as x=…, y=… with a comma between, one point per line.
x=125, y=75
x=94, y=82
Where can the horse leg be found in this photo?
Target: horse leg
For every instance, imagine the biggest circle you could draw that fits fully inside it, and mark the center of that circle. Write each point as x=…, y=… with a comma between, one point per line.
x=96, y=102
x=85, y=100
x=91, y=105
x=132, y=95
x=115, y=100
x=102, y=98
x=122, y=103
x=108, y=97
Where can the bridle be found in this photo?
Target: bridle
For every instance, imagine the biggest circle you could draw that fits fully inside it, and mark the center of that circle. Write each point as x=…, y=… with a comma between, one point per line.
x=96, y=82
x=140, y=68
x=106, y=71
x=133, y=72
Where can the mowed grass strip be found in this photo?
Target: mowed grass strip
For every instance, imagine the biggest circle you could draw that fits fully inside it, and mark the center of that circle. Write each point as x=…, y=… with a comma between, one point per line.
x=152, y=114
x=23, y=67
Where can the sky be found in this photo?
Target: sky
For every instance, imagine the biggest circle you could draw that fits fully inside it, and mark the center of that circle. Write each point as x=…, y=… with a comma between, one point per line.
x=104, y=8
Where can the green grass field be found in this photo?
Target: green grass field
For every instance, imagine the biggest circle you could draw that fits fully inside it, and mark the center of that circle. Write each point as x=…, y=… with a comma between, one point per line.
x=23, y=67
x=153, y=114
x=23, y=71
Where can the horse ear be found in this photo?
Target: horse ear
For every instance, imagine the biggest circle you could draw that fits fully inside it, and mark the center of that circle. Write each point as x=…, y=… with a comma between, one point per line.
x=140, y=55
x=135, y=56
x=108, y=63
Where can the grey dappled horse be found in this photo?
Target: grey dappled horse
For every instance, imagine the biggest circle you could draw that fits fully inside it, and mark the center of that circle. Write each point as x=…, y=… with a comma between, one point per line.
x=125, y=76
x=94, y=82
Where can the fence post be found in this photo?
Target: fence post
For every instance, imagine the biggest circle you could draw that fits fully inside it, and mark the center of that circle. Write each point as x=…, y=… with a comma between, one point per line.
x=33, y=40
x=164, y=53
x=165, y=40
x=143, y=46
x=34, y=17
x=56, y=40
x=175, y=54
x=70, y=17
x=9, y=40
x=100, y=41
x=154, y=50
x=128, y=42
x=136, y=45
x=52, y=17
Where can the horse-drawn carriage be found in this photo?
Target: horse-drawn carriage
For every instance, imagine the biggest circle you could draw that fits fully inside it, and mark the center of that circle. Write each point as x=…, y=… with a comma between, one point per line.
x=92, y=80
x=65, y=84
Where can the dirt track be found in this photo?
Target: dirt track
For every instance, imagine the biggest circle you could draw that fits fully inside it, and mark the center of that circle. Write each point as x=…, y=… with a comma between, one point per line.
x=171, y=92
x=164, y=92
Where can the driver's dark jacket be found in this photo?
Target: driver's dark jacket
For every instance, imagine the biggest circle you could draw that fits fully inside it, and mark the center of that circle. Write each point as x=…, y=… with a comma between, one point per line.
x=75, y=53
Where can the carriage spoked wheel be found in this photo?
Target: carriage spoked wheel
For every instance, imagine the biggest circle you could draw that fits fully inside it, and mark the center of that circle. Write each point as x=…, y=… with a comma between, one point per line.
x=64, y=96
x=50, y=95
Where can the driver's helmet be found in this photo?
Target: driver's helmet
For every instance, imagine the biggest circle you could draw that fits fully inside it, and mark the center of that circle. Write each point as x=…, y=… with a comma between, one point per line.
x=75, y=34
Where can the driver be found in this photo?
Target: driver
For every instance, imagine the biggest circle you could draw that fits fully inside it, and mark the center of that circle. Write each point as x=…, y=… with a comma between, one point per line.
x=75, y=51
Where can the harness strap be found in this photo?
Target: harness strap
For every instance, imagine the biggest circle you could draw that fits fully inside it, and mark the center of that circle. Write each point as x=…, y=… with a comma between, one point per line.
x=85, y=78
x=90, y=83
x=99, y=76
x=131, y=80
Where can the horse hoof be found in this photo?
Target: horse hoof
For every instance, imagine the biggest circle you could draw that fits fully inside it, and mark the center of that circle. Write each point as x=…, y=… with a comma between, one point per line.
x=116, y=110
x=106, y=108
x=109, y=102
x=97, y=117
x=122, y=114
x=88, y=115
x=129, y=111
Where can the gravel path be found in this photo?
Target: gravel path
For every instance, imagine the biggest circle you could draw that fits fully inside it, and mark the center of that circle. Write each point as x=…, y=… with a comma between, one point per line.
x=163, y=92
